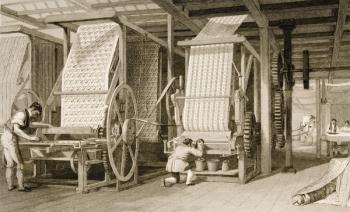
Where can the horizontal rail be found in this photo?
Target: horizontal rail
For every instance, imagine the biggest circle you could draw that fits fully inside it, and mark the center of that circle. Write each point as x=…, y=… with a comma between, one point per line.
x=79, y=92
x=211, y=41
x=203, y=97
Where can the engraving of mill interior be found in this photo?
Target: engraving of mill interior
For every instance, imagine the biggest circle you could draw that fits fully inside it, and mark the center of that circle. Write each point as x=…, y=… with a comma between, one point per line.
x=174, y=105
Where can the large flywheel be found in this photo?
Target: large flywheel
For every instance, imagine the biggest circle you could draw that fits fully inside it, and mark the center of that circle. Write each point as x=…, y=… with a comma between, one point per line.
x=122, y=143
x=249, y=141
x=278, y=114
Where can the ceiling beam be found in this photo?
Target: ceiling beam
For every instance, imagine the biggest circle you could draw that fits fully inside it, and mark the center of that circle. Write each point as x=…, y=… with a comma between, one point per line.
x=107, y=15
x=75, y=17
x=22, y=18
x=28, y=31
x=343, y=5
x=261, y=20
x=170, y=8
x=10, y=3
x=143, y=32
x=47, y=10
x=119, y=4
x=273, y=8
x=81, y=3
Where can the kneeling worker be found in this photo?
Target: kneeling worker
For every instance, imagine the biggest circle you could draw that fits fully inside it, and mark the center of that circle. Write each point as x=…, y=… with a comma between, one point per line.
x=179, y=161
x=12, y=155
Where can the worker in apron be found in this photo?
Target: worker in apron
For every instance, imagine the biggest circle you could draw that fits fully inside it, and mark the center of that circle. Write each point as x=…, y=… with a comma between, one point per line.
x=14, y=128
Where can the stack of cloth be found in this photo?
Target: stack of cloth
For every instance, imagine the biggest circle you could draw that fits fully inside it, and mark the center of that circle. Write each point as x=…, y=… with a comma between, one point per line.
x=87, y=70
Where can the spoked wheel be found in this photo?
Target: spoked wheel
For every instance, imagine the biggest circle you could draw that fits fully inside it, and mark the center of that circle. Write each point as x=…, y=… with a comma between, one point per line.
x=24, y=98
x=278, y=117
x=122, y=142
x=249, y=134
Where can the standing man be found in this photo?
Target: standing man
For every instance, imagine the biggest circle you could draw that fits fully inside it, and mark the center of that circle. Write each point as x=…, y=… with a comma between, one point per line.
x=14, y=129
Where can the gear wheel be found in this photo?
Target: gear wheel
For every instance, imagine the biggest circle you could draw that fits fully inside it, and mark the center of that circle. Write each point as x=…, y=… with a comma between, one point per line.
x=278, y=117
x=249, y=134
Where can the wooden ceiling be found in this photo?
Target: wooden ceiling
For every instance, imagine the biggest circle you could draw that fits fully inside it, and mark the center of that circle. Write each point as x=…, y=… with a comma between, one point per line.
x=322, y=26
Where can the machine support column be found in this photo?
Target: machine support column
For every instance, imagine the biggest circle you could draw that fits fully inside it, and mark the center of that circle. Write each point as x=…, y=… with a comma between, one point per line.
x=170, y=72
x=257, y=103
x=318, y=118
x=66, y=43
x=287, y=28
x=266, y=136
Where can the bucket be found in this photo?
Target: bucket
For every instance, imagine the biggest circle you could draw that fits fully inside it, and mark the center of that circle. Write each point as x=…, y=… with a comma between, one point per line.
x=213, y=165
x=225, y=166
x=200, y=164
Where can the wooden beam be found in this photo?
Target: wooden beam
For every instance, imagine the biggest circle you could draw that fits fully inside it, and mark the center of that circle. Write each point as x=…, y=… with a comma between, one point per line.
x=221, y=40
x=24, y=2
x=143, y=32
x=29, y=31
x=170, y=8
x=147, y=17
x=81, y=3
x=141, y=12
x=112, y=15
x=252, y=50
x=343, y=5
x=261, y=20
x=66, y=44
x=323, y=73
x=170, y=65
x=47, y=10
x=119, y=4
x=318, y=118
x=266, y=126
x=247, y=72
x=257, y=102
x=23, y=18
x=256, y=13
x=170, y=49
x=75, y=17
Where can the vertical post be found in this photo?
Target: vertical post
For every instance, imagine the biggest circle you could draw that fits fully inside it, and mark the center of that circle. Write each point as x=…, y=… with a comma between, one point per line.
x=123, y=56
x=265, y=90
x=287, y=28
x=257, y=103
x=318, y=118
x=187, y=59
x=243, y=67
x=170, y=49
x=170, y=72
x=324, y=111
x=82, y=171
x=66, y=43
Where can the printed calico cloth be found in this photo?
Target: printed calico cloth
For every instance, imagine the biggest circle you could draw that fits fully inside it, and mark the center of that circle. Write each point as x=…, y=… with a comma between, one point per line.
x=333, y=188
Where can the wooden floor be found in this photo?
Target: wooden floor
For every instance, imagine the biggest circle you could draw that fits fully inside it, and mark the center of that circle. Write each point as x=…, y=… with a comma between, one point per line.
x=270, y=193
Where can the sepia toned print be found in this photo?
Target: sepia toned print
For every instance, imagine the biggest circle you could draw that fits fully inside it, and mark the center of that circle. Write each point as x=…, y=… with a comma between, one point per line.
x=174, y=105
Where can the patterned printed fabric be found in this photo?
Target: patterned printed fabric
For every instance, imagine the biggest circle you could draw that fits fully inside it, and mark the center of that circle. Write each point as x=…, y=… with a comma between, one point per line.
x=143, y=77
x=87, y=69
x=15, y=70
x=339, y=172
x=208, y=83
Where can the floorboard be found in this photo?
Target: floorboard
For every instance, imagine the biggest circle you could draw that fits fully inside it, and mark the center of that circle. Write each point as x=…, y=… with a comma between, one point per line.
x=263, y=194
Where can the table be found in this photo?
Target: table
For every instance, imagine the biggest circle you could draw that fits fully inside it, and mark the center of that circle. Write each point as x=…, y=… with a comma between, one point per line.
x=340, y=138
